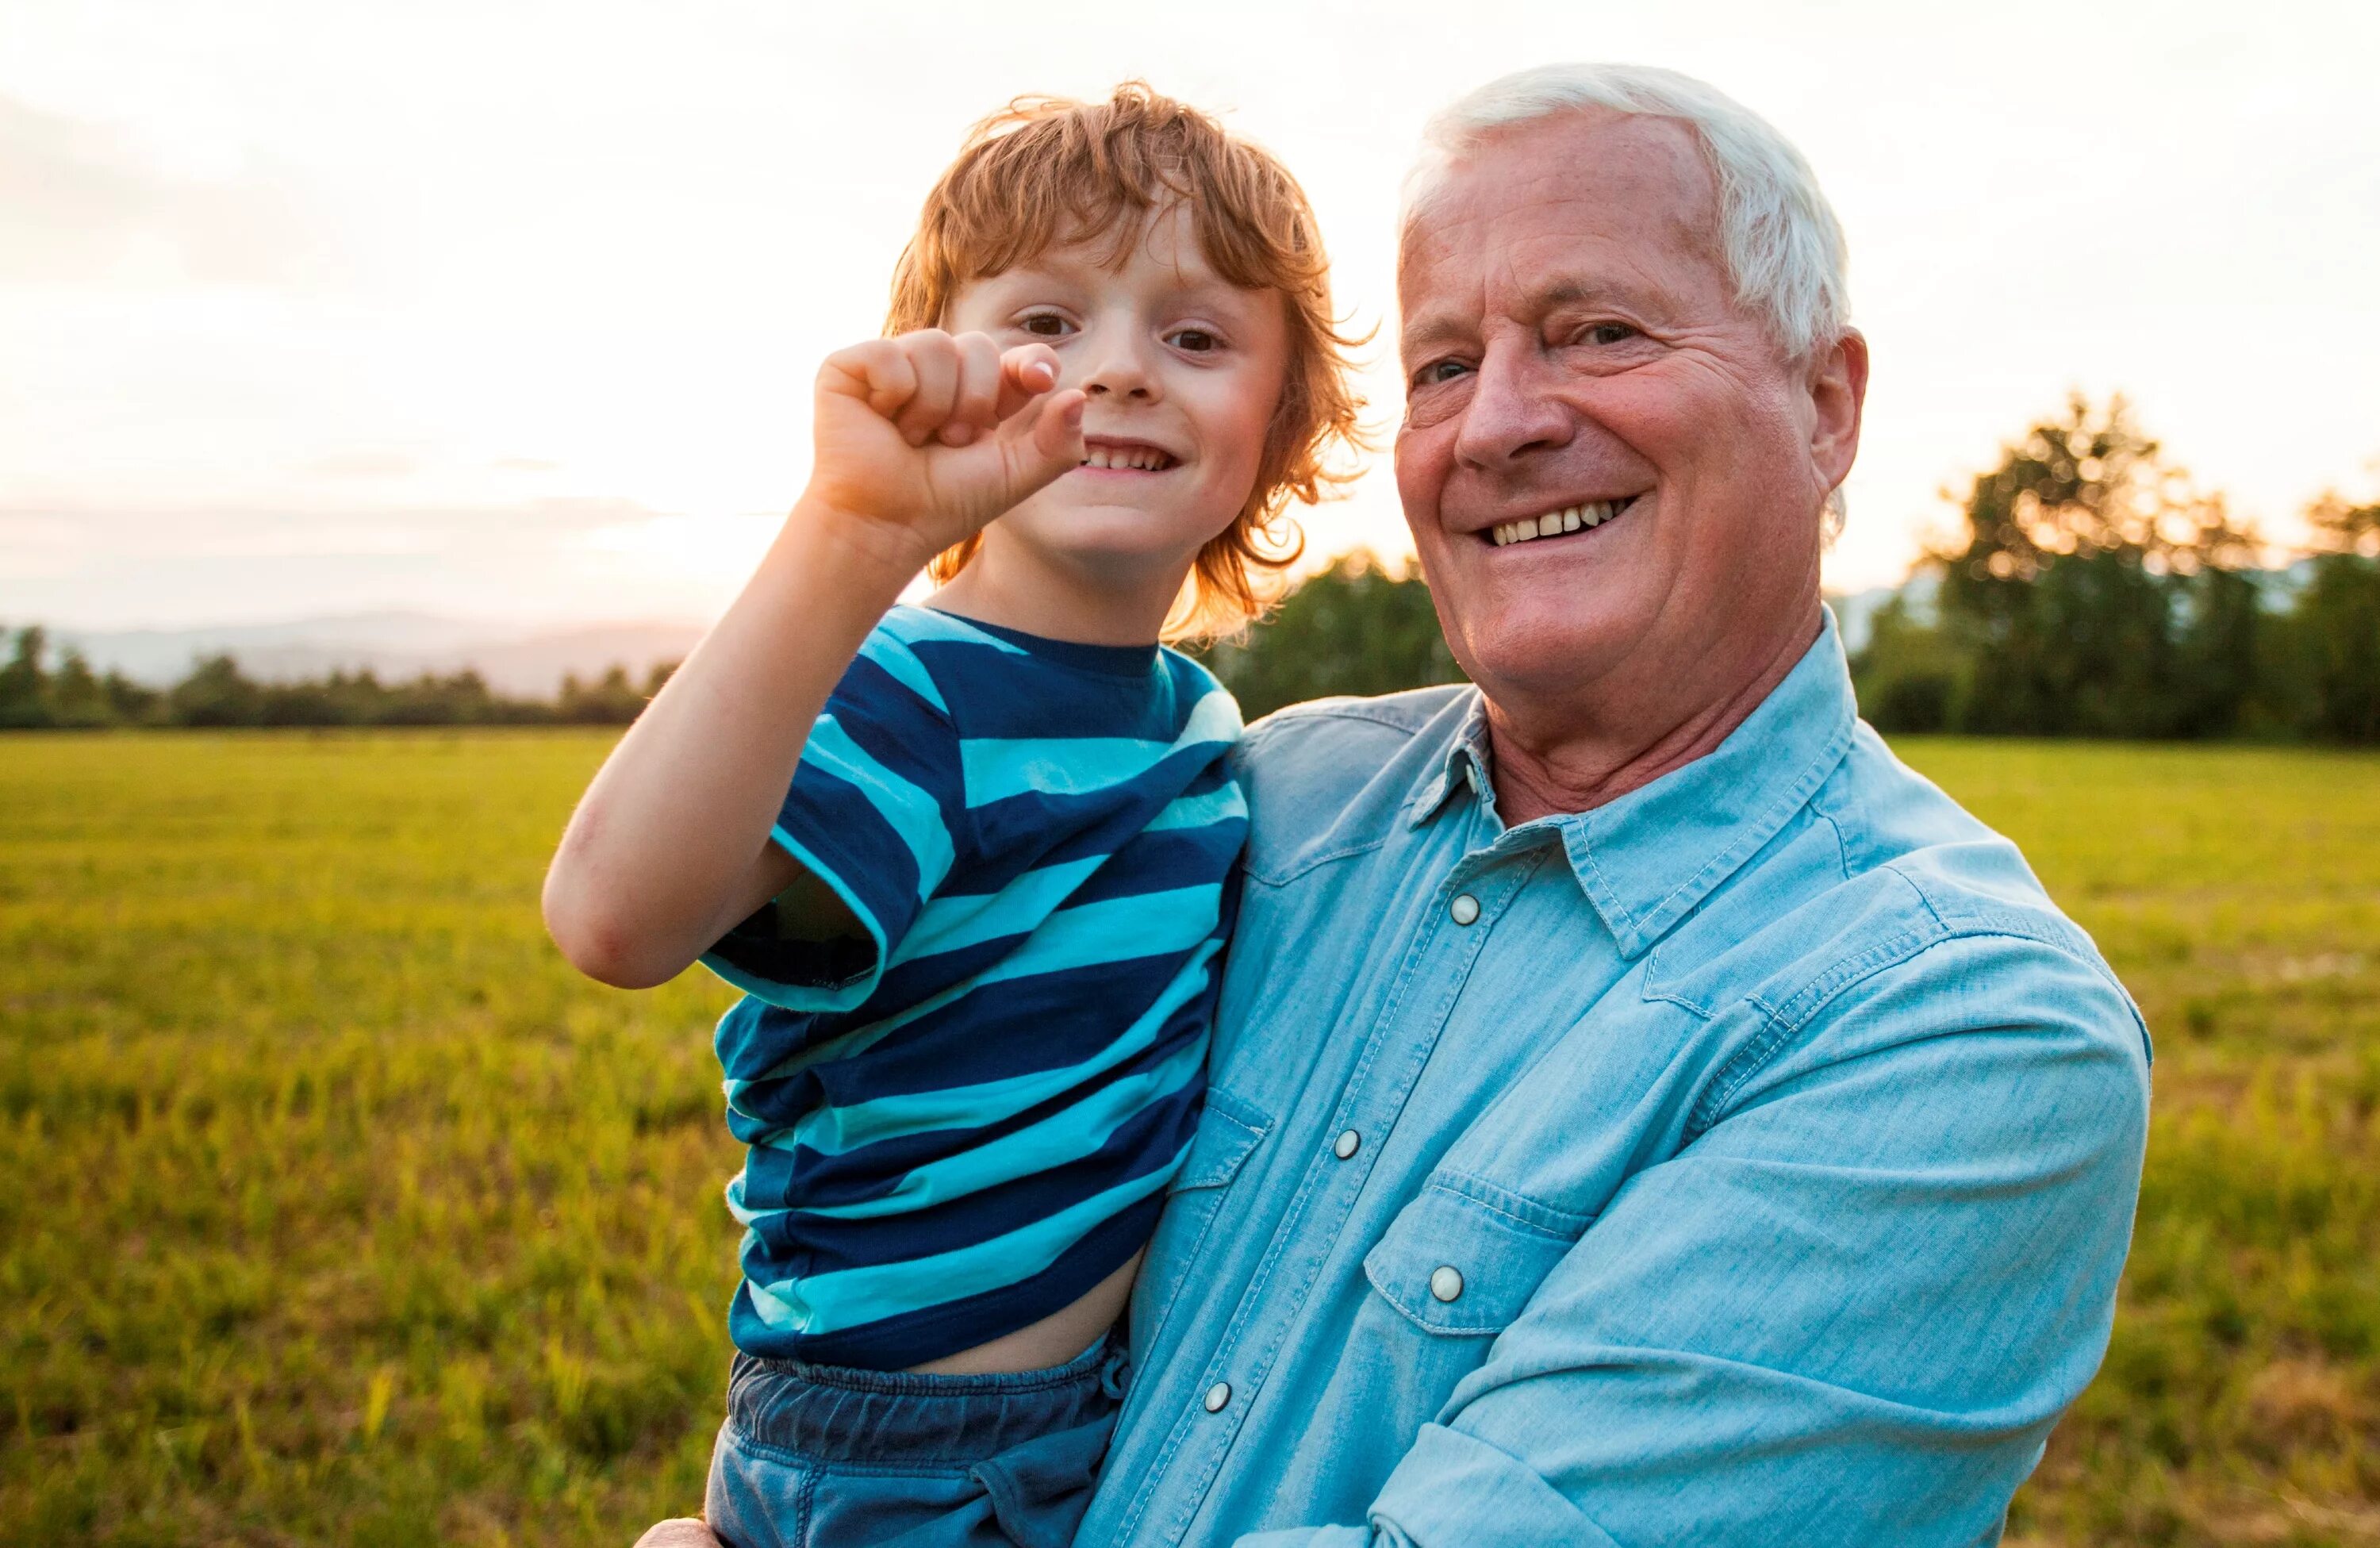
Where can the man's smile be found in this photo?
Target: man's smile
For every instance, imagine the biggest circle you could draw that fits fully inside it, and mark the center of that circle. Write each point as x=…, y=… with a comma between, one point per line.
x=1585, y=517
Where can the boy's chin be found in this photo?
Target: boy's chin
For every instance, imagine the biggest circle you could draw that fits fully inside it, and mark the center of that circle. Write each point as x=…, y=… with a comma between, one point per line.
x=1109, y=535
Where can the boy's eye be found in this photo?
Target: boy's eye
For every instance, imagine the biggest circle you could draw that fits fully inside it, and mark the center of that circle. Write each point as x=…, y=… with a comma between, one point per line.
x=1197, y=341
x=1044, y=324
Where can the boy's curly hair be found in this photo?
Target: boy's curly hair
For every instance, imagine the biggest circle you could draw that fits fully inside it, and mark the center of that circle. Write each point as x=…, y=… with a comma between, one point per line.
x=1045, y=171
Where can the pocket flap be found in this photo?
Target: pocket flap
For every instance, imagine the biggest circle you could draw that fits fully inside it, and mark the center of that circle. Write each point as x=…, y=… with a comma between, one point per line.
x=1228, y=1130
x=1459, y=1265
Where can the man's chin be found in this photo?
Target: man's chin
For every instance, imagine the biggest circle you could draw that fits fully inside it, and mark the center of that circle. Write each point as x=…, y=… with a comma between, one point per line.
x=1534, y=647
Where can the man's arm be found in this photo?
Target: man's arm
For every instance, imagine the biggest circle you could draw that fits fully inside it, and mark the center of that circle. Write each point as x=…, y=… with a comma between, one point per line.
x=1848, y=1312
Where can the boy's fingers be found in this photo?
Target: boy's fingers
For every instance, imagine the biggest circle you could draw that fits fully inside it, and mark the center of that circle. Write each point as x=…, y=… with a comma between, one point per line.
x=1025, y=373
x=934, y=356
x=1057, y=438
x=878, y=372
x=979, y=390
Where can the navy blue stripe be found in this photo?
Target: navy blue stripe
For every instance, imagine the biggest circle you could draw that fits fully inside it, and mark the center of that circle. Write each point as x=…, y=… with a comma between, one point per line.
x=796, y=1243
x=914, y=1337
x=775, y=1177
x=1045, y=1021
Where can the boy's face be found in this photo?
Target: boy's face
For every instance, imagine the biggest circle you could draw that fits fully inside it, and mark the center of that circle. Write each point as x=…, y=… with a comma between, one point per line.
x=1183, y=371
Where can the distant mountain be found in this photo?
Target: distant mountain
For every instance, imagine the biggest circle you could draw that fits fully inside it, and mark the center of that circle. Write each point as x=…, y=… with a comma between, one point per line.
x=519, y=662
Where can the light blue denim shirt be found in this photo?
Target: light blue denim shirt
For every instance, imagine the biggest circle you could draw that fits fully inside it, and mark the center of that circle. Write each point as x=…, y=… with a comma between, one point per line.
x=1747, y=1161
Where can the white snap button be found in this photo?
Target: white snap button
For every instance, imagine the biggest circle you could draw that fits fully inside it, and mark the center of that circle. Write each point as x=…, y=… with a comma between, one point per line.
x=1218, y=1396
x=1463, y=909
x=1347, y=1144
x=1446, y=1282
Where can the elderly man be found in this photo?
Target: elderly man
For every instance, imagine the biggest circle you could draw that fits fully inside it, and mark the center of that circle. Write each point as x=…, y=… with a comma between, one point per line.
x=1643, y=1111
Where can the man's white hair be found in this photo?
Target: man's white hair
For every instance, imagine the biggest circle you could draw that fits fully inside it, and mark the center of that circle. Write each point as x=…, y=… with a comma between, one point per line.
x=1782, y=244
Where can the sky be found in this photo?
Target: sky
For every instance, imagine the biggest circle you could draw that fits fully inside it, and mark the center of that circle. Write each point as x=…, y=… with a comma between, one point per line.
x=508, y=312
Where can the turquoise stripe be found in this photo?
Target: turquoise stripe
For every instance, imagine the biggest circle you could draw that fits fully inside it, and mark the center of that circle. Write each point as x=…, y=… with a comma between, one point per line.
x=911, y=624
x=906, y=810
x=998, y=768
x=835, y=1130
x=1152, y=924
x=911, y=673
x=1219, y=805
x=1063, y=1138
x=950, y=924
x=826, y=1302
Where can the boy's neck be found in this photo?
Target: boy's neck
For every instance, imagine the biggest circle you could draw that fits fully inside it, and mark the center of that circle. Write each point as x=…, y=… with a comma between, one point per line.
x=1047, y=595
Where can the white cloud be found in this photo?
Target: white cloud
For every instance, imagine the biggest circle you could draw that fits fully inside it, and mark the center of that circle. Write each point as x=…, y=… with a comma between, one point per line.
x=87, y=205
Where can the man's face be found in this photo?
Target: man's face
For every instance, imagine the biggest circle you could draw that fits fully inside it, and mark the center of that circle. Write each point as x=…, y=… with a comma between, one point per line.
x=1572, y=349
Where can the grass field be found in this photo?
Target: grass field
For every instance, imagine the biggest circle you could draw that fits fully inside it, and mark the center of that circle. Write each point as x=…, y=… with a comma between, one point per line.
x=339, y=1210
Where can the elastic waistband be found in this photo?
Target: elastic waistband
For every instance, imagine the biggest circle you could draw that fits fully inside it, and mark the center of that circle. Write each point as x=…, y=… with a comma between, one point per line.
x=835, y=1413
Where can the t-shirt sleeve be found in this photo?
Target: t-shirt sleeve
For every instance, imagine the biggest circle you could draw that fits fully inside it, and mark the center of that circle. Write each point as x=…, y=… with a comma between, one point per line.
x=877, y=811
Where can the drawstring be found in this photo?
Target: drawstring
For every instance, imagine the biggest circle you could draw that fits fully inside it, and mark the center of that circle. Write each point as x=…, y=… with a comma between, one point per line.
x=1116, y=1370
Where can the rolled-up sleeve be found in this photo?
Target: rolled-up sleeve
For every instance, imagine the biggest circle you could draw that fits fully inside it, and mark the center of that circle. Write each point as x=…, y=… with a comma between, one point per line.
x=1848, y=1308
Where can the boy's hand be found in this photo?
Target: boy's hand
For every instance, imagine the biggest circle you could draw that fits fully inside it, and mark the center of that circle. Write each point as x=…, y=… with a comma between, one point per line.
x=925, y=439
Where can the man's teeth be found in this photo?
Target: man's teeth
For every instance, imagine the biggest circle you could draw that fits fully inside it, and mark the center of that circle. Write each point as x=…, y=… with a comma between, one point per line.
x=1595, y=513
x=1148, y=458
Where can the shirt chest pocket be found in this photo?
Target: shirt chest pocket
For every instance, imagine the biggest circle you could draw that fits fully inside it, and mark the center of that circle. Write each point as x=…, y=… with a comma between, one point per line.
x=1463, y=1259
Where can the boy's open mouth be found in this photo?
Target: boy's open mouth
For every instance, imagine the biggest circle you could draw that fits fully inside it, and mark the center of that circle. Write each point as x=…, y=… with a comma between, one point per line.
x=1583, y=518
x=1138, y=456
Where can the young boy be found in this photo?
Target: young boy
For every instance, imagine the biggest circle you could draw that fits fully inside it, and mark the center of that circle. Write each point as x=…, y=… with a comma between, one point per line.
x=977, y=936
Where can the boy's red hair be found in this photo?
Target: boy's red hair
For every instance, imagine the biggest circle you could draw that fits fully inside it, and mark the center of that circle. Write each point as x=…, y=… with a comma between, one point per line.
x=1045, y=171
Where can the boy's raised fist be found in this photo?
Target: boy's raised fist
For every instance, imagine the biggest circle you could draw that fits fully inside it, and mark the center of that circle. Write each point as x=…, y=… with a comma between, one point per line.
x=937, y=436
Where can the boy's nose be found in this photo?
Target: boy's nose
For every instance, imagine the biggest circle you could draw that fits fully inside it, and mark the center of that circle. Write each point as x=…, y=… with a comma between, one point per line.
x=1120, y=369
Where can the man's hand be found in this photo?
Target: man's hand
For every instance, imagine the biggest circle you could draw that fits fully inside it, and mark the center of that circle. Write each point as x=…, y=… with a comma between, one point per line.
x=683, y=1532
x=924, y=440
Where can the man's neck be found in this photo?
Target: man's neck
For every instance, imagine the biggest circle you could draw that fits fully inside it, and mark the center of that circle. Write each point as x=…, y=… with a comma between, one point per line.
x=1565, y=757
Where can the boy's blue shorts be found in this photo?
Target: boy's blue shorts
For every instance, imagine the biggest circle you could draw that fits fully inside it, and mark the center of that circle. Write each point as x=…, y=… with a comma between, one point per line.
x=826, y=1457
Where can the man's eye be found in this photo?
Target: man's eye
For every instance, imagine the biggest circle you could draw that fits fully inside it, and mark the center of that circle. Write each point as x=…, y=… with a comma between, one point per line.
x=1610, y=333
x=1196, y=341
x=1438, y=370
x=1043, y=324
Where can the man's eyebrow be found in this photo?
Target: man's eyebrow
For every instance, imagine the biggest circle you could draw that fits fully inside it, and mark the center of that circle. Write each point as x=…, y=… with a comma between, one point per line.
x=1557, y=294
x=1571, y=291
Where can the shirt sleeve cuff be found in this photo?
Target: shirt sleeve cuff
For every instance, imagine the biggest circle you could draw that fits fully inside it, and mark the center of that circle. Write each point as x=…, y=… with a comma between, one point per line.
x=772, y=975
x=1452, y=1489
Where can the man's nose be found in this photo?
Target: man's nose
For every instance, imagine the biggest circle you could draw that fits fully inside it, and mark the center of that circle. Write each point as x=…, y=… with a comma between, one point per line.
x=1514, y=410
x=1117, y=366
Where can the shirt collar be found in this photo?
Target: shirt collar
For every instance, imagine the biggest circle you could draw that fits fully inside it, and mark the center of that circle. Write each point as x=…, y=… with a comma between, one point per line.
x=1648, y=859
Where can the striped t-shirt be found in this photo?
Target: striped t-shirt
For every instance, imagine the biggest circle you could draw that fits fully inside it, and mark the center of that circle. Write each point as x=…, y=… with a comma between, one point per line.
x=962, y=1124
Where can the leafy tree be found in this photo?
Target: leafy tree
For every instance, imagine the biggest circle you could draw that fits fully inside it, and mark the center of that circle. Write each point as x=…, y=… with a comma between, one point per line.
x=24, y=701
x=1353, y=629
x=2335, y=627
x=215, y=693
x=2097, y=591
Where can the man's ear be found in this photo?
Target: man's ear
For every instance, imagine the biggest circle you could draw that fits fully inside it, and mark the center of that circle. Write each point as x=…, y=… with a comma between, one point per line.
x=1838, y=383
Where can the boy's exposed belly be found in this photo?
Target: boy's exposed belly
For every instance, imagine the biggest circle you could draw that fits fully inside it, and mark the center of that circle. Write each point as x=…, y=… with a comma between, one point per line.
x=1054, y=1340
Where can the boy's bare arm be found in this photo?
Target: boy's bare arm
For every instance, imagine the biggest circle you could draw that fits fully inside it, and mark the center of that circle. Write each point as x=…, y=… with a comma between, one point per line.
x=922, y=441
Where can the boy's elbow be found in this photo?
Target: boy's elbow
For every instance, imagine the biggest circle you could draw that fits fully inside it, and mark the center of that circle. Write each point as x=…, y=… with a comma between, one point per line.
x=600, y=941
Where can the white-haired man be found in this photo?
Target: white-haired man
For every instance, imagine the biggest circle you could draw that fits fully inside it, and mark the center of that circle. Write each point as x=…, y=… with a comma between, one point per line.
x=1641, y=1111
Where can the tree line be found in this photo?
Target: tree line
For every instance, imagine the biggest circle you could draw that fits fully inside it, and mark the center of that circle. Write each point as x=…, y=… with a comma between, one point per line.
x=36, y=695
x=2090, y=591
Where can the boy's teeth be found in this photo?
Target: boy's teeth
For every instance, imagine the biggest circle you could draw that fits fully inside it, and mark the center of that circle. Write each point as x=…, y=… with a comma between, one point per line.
x=1571, y=519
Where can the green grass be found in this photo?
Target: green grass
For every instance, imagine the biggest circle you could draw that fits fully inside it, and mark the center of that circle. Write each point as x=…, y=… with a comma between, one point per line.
x=339, y=1210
